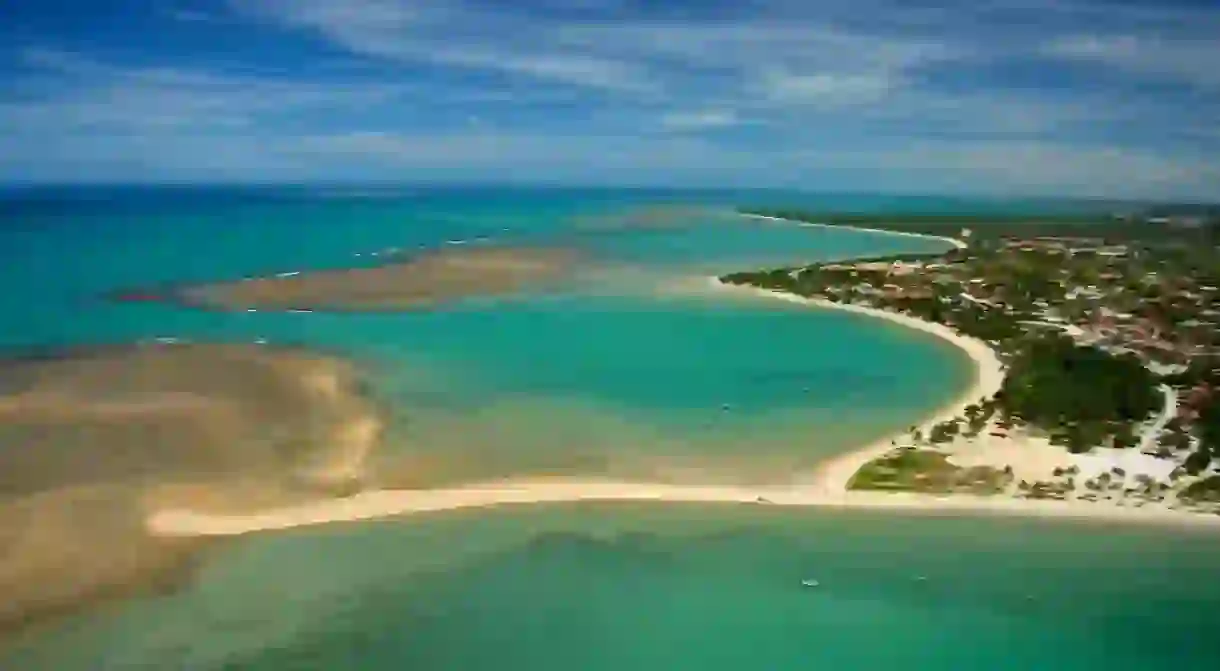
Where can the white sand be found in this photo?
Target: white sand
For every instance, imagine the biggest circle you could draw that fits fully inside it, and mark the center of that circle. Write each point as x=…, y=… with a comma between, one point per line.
x=381, y=504
x=826, y=487
x=1132, y=462
x=1032, y=458
x=881, y=231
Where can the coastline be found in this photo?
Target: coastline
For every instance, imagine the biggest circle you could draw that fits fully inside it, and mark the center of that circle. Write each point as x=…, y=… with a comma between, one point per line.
x=808, y=224
x=824, y=487
x=389, y=503
x=833, y=475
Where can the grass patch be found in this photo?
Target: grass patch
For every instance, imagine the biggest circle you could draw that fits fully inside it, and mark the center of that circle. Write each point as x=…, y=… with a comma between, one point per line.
x=928, y=472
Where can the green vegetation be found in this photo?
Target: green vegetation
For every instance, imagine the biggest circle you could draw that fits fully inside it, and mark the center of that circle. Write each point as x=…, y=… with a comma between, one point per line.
x=1083, y=395
x=1206, y=490
x=1204, y=373
x=1096, y=226
x=925, y=471
x=1045, y=490
x=1090, y=315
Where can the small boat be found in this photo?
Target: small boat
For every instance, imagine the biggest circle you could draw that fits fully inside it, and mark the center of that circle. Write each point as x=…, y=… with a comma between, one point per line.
x=809, y=582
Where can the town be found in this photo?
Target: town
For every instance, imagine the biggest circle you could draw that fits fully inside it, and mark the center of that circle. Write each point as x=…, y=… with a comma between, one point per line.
x=1108, y=342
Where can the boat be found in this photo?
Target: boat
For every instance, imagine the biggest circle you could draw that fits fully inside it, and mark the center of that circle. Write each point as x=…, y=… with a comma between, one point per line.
x=809, y=582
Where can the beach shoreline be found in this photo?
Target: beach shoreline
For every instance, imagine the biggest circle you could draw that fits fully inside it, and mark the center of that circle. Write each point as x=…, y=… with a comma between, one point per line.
x=384, y=504
x=959, y=244
x=833, y=475
x=824, y=487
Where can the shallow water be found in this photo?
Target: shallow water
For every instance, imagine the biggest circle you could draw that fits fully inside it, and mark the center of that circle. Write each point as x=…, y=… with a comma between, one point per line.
x=627, y=370
x=638, y=586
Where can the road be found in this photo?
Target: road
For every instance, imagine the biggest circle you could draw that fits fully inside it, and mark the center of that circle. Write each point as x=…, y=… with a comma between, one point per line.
x=1153, y=432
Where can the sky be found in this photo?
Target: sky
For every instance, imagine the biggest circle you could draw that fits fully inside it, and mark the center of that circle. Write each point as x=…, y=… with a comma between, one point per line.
x=1090, y=98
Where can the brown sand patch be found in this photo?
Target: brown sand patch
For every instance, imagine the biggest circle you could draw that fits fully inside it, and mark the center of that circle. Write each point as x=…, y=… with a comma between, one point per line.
x=63, y=549
x=427, y=280
x=657, y=217
x=181, y=412
x=93, y=440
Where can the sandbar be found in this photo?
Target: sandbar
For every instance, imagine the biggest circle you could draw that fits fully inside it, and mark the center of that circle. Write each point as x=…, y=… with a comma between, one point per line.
x=95, y=438
x=426, y=280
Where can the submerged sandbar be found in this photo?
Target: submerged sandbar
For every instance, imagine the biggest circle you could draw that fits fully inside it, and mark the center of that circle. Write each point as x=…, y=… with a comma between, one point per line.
x=423, y=281
x=93, y=439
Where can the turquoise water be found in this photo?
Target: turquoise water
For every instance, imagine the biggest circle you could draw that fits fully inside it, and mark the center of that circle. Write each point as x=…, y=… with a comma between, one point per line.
x=675, y=587
x=626, y=372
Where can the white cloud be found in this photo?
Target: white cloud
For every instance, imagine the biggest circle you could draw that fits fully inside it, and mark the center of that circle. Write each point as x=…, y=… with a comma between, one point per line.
x=1181, y=60
x=629, y=54
x=701, y=120
x=822, y=89
x=1005, y=168
x=422, y=32
x=73, y=93
x=890, y=94
x=1046, y=168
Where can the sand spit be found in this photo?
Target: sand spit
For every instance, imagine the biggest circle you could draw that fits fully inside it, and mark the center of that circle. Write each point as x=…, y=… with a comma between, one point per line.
x=389, y=503
x=92, y=439
x=880, y=231
x=423, y=281
x=825, y=487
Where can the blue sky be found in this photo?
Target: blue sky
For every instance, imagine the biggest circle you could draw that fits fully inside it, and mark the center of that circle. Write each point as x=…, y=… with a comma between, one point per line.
x=1110, y=98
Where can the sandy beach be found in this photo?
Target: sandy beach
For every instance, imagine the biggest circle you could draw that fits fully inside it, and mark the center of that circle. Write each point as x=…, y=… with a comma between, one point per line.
x=825, y=487
x=832, y=477
x=388, y=503
x=880, y=231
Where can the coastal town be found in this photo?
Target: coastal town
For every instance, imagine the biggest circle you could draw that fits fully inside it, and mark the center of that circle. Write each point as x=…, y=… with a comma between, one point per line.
x=1109, y=346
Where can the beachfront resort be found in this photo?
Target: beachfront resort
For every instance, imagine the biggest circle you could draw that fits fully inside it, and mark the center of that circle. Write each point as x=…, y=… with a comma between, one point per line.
x=1108, y=344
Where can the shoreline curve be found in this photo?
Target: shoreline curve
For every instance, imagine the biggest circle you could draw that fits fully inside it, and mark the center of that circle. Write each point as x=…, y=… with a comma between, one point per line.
x=824, y=487
x=959, y=244
x=833, y=475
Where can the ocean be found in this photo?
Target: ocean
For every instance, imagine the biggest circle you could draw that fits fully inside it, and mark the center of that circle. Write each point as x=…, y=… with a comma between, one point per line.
x=625, y=371
x=648, y=586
